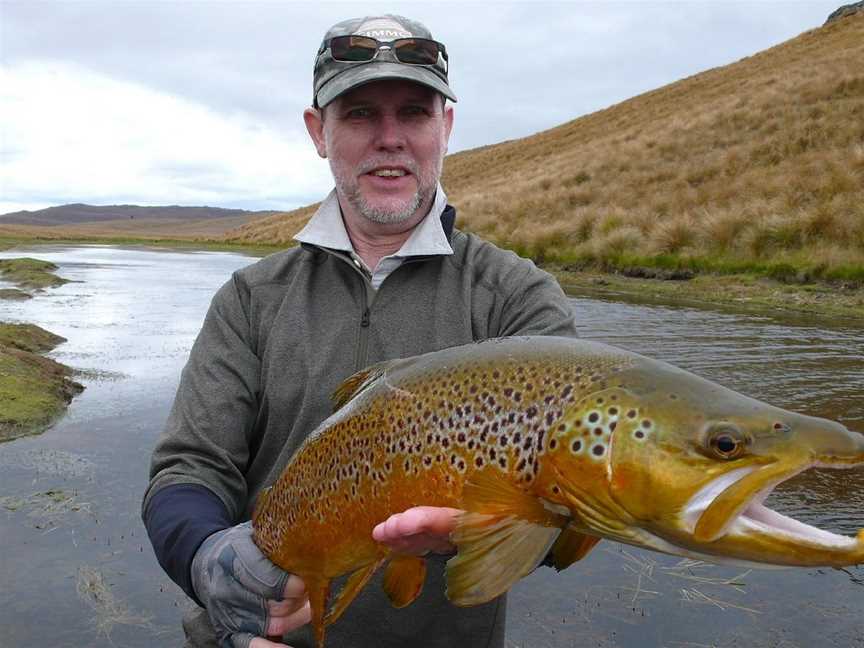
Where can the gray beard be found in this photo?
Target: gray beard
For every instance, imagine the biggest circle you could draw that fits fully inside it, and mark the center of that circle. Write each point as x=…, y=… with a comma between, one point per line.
x=386, y=216
x=426, y=188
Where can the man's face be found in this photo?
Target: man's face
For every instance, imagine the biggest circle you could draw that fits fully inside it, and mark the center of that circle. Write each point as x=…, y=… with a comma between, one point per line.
x=386, y=143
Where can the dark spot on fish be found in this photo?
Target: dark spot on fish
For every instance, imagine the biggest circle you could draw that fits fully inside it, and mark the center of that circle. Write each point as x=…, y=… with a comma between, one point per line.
x=613, y=411
x=461, y=464
x=577, y=445
x=531, y=412
x=598, y=450
x=646, y=424
x=548, y=399
x=508, y=392
x=612, y=426
x=427, y=460
x=502, y=462
x=631, y=414
x=567, y=390
x=478, y=461
x=461, y=437
x=553, y=443
x=502, y=441
x=639, y=434
x=593, y=417
x=471, y=444
x=517, y=438
x=517, y=397
x=445, y=442
x=520, y=466
x=492, y=454
x=473, y=389
x=528, y=443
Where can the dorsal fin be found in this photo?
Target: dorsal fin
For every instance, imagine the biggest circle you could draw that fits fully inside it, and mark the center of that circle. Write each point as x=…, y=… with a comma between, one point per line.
x=356, y=383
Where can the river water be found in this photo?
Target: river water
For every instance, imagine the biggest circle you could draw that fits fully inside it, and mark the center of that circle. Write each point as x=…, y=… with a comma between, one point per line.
x=76, y=567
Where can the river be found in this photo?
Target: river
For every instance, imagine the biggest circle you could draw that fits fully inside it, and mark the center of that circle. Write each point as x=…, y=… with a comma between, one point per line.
x=74, y=555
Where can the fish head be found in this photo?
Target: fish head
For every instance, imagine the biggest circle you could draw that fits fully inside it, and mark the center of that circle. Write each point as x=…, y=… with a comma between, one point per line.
x=688, y=464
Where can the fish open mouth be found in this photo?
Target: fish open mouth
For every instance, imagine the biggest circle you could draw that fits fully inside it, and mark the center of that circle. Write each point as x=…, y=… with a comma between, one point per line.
x=732, y=506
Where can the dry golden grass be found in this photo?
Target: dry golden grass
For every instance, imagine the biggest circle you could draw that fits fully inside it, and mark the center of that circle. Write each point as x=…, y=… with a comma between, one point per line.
x=758, y=161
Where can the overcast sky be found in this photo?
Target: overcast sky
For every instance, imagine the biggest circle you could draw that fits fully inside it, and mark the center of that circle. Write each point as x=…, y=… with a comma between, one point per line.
x=200, y=103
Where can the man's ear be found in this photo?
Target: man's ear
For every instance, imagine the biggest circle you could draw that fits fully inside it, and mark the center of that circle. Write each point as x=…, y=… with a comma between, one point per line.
x=314, y=120
x=448, y=124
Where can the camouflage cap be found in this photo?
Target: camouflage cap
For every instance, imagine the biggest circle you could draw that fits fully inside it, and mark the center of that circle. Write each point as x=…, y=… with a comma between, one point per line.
x=332, y=78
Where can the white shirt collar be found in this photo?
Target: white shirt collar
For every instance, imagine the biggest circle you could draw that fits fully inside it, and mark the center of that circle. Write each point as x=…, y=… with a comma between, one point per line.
x=327, y=229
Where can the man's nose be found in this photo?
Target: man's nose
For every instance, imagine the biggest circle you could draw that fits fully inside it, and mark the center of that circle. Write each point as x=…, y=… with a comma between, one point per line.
x=390, y=135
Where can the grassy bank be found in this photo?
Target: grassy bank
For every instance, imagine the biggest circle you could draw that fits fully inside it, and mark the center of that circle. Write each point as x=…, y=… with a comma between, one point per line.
x=742, y=291
x=34, y=390
x=30, y=273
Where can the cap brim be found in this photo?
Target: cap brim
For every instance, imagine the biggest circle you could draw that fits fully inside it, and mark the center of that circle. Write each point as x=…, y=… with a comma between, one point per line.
x=375, y=71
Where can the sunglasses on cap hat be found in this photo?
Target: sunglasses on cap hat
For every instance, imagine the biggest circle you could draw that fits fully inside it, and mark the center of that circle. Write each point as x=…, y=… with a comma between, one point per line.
x=412, y=51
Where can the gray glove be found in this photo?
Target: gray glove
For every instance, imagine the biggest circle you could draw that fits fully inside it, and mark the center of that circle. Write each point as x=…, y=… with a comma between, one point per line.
x=234, y=580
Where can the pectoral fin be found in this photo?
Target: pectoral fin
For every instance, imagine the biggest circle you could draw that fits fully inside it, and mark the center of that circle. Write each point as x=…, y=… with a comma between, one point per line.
x=403, y=579
x=503, y=535
x=570, y=547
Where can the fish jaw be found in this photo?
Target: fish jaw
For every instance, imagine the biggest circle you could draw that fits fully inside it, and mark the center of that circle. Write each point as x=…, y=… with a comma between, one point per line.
x=756, y=534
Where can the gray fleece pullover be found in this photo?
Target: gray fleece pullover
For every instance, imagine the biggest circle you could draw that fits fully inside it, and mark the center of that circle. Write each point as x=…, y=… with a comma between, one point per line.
x=281, y=335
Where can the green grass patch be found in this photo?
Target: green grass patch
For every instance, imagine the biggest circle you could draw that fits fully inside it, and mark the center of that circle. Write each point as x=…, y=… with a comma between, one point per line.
x=30, y=273
x=34, y=390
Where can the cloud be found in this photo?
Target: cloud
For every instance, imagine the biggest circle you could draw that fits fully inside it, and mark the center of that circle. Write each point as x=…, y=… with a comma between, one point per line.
x=70, y=132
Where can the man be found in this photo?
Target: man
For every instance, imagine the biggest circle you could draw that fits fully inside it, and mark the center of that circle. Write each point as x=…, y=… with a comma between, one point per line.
x=381, y=273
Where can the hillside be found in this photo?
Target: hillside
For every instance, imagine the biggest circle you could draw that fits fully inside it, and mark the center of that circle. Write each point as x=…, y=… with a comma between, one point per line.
x=758, y=165
x=79, y=220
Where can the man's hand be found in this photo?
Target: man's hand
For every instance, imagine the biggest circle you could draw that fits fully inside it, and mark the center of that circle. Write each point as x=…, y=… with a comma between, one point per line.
x=247, y=597
x=418, y=530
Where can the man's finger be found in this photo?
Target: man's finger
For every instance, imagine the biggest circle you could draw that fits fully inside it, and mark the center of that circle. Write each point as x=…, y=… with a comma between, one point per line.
x=432, y=520
x=279, y=625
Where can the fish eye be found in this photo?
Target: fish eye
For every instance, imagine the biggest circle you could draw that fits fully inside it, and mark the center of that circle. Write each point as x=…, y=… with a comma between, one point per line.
x=726, y=441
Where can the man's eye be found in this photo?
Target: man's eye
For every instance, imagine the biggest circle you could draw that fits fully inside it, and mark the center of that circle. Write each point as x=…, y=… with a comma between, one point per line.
x=413, y=111
x=359, y=113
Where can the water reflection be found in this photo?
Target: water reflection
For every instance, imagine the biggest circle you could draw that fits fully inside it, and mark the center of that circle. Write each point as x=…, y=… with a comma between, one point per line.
x=131, y=316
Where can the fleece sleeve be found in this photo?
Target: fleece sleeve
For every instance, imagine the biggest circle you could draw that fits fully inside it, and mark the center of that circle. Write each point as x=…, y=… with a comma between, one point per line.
x=178, y=518
x=207, y=437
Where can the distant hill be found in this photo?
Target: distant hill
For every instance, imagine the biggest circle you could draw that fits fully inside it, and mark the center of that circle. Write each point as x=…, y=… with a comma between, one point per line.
x=126, y=222
x=752, y=165
x=78, y=213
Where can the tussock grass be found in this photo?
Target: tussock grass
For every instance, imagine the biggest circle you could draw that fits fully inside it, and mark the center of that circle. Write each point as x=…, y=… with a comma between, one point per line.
x=756, y=166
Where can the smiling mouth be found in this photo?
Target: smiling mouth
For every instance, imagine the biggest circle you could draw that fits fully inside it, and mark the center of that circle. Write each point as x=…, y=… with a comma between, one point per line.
x=388, y=173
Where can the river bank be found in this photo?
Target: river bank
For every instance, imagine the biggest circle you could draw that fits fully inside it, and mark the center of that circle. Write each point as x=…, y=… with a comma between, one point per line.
x=34, y=390
x=832, y=301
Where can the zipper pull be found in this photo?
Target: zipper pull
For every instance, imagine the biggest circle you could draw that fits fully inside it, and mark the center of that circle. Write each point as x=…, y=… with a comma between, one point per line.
x=365, y=321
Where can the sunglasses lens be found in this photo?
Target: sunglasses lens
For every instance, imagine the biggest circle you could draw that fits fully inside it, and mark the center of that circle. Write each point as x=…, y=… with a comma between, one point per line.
x=417, y=51
x=353, y=48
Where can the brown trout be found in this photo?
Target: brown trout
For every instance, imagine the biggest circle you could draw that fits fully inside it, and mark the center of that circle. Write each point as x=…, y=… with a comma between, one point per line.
x=548, y=445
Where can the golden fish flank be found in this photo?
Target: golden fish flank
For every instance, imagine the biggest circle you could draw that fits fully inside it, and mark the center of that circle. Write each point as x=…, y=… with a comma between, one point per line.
x=546, y=443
